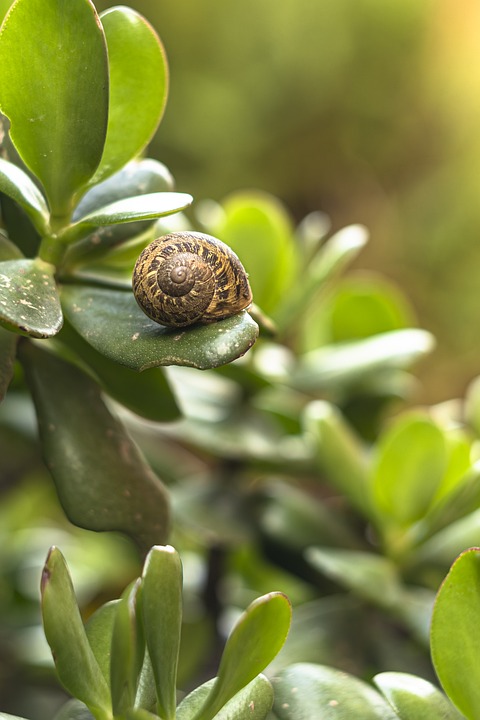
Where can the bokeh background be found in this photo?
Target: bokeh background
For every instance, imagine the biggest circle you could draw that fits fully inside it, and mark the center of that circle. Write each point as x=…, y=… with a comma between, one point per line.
x=364, y=109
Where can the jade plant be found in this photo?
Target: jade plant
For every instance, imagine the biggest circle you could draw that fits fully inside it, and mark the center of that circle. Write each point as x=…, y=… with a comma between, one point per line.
x=81, y=96
x=123, y=663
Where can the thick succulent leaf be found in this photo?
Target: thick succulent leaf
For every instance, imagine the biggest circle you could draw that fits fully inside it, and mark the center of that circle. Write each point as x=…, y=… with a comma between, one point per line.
x=58, y=126
x=258, y=228
x=99, y=629
x=140, y=714
x=139, y=177
x=161, y=604
x=147, y=394
x=127, y=651
x=8, y=351
x=29, y=302
x=127, y=210
x=255, y=640
x=370, y=576
x=315, y=691
x=74, y=710
x=76, y=665
x=252, y=703
x=112, y=322
x=410, y=462
x=331, y=259
x=345, y=364
x=412, y=697
x=447, y=544
x=338, y=451
x=138, y=86
x=102, y=480
x=15, y=183
x=8, y=249
x=455, y=633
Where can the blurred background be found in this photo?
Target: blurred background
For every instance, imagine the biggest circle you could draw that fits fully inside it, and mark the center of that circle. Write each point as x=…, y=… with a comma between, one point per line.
x=364, y=109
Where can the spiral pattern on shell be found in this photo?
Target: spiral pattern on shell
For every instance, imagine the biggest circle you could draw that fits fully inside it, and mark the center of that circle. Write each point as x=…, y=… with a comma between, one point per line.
x=189, y=277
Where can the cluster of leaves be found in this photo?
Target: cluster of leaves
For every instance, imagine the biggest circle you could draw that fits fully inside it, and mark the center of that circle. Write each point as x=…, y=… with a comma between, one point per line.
x=280, y=463
x=78, y=204
x=124, y=663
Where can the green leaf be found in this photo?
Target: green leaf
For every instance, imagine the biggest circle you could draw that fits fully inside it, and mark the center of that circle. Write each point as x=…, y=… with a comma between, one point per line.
x=338, y=451
x=161, y=603
x=112, y=322
x=364, y=306
x=75, y=662
x=138, y=86
x=255, y=640
x=306, y=691
x=127, y=651
x=443, y=547
x=4, y=716
x=17, y=185
x=411, y=460
x=74, y=710
x=370, y=576
x=332, y=258
x=455, y=633
x=258, y=228
x=8, y=351
x=140, y=207
x=58, y=126
x=99, y=629
x=140, y=714
x=348, y=363
x=8, y=249
x=412, y=697
x=139, y=177
x=252, y=703
x=102, y=480
x=29, y=303
x=147, y=394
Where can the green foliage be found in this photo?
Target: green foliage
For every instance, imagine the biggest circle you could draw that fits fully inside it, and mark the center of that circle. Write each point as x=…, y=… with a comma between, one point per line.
x=282, y=471
x=141, y=631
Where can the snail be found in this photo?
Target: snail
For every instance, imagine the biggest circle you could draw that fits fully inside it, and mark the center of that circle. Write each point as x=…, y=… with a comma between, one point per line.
x=189, y=277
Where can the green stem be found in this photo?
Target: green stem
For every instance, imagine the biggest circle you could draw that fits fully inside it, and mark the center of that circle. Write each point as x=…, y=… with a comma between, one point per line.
x=51, y=250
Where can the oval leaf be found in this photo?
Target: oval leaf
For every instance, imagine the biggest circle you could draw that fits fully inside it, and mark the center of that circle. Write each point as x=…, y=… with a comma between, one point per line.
x=112, y=322
x=315, y=691
x=252, y=703
x=413, y=698
x=138, y=86
x=75, y=662
x=255, y=640
x=147, y=394
x=348, y=363
x=58, y=126
x=29, y=303
x=17, y=185
x=411, y=460
x=161, y=603
x=99, y=629
x=455, y=633
x=127, y=210
x=102, y=480
x=127, y=651
x=139, y=177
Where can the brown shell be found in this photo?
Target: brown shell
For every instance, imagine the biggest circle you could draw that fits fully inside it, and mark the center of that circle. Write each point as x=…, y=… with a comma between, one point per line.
x=189, y=277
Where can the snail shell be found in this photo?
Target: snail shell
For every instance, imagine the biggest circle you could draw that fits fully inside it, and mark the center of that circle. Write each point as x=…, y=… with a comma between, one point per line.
x=189, y=277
